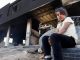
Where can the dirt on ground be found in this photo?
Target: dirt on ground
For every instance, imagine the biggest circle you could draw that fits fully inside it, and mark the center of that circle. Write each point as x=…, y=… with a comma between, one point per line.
x=19, y=53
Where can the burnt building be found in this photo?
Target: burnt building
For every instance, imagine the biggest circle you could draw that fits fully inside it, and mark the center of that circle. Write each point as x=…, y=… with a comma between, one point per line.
x=21, y=19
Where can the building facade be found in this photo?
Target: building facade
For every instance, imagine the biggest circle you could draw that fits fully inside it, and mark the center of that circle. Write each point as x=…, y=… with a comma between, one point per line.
x=22, y=19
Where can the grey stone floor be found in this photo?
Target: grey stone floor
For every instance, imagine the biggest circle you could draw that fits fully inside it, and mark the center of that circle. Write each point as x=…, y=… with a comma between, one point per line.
x=18, y=53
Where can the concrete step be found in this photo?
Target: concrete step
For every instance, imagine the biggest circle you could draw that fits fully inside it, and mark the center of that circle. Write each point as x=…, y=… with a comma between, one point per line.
x=71, y=53
x=71, y=50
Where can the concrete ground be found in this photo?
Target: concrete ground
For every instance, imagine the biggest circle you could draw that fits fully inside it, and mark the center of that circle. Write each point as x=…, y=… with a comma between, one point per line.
x=18, y=53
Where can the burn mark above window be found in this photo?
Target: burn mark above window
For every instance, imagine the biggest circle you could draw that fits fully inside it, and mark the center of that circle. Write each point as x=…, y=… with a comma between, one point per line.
x=1, y=15
x=15, y=8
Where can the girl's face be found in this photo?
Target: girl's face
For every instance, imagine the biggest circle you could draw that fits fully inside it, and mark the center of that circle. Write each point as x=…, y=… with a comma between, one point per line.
x=60, y=17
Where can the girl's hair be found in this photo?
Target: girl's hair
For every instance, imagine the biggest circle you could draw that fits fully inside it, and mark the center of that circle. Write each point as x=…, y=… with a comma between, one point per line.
x=62, y=11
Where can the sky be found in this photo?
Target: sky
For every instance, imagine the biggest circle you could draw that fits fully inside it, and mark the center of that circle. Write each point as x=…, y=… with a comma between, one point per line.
x=5, y=2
